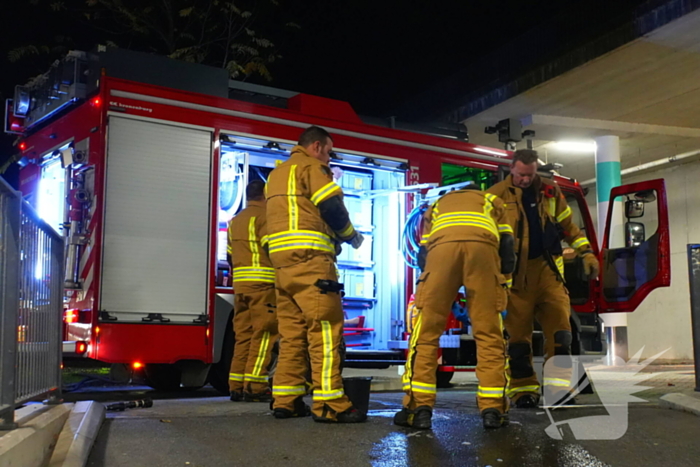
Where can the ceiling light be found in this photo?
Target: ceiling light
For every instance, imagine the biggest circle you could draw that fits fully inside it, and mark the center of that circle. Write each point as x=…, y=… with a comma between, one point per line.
x=575, y=146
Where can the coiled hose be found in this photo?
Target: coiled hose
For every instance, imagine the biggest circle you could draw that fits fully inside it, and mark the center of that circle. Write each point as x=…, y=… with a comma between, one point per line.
x=410, y=237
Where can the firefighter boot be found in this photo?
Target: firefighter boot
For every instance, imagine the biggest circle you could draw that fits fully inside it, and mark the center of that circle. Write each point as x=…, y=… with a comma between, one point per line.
x=493, y=418
x=526, y=401
x=236, y=396
x=351, y=415
x=421, y=418
x=265, y=396
x=300, y=410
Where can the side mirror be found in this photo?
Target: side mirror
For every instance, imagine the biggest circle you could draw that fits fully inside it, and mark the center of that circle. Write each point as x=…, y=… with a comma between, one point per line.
x=634, y=234
x=634, y=208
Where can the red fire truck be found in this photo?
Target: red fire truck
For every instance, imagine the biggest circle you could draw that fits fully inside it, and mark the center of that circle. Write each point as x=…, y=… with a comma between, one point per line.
x=140, y=161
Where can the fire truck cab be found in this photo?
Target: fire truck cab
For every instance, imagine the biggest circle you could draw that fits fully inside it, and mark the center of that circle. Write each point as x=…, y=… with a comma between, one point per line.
x=140, y=161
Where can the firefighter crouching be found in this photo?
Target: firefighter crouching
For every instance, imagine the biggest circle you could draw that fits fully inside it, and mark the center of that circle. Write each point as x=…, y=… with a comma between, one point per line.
x=255, y=317
x=541, y=218
x=466, y=241
x=305, y=216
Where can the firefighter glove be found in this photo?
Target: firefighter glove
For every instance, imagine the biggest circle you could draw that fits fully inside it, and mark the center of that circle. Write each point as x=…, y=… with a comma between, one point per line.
x=590, y=264
x=357, y=240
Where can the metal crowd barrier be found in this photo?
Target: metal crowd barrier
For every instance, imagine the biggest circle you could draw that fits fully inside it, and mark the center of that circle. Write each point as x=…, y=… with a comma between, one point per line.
x=31, y=304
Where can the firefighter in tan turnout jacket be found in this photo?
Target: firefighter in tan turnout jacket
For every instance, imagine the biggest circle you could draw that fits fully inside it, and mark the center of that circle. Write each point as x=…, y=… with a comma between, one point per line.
x=306, y=220
x=466, y=242
x=541, y=218
x=255, y=317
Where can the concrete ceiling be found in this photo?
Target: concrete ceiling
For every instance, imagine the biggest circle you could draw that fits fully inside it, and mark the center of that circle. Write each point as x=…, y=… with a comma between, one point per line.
x=646, y=92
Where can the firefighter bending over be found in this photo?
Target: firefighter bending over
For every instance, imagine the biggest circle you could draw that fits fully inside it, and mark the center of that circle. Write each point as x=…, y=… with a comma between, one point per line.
x=255, y=316
x=466, y=242
x=541, y=218
x=306, y=218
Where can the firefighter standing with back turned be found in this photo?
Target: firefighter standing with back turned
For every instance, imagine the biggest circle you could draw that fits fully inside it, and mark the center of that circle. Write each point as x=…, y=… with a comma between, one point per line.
x=255, y=318
x=538, y=212
x=306, y=218
x=466, y=241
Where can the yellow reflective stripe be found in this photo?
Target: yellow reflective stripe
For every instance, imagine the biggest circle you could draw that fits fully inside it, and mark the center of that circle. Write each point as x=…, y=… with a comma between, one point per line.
x=557, y=382
x=328, y=395
x=327, y=365
x=553, y=207
x=264, y=240
x=423, y=387
x=470, y=223
x=412, y=349
x=300, y=239
x=424, y=239
x=292, y=199
x=489, y=196
x=289, y=390
x=580, y=242
x=325, y=193
x=262, y=352
x=518, y=390
x=261, y=270
x=559, y=261
x=253, y=242
x=345, y=233
x=256, y=379
x=235, y=377
x=566, y=213
x=266, y=279
x=509, y=283
x=490, y=392
x=505, y=228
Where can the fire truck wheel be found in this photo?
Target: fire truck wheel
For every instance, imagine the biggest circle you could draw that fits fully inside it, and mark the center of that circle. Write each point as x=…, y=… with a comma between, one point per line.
x=162, y=377
x=443, y=379
x=218, y=373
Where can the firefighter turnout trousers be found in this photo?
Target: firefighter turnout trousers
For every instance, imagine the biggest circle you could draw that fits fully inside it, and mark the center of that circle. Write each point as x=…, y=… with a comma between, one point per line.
x=311, y=327
x=255, y=327
x=476, y=265
x=544, y=298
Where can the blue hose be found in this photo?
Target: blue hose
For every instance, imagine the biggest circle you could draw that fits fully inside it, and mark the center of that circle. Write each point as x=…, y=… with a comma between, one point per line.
x=410, y=237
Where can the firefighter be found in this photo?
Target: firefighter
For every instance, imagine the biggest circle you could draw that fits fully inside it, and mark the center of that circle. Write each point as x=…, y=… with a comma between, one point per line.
x=466, y=241
x=538, y=212
x=306, y=221
x=255, y=316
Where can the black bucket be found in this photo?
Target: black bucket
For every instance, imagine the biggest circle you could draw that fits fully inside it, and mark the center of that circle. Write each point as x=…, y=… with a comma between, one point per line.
x=357, y=389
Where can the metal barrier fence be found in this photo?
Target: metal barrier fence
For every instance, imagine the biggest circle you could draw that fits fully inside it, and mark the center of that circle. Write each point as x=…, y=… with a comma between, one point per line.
x=31, y=303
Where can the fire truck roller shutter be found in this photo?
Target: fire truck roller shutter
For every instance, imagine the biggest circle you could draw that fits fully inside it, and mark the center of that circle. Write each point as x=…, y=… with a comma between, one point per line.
x=156, y=229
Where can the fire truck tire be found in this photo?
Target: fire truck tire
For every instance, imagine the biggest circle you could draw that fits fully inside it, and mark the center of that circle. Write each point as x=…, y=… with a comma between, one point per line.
x=162, y=376
x=443, y=379
x=218, y=373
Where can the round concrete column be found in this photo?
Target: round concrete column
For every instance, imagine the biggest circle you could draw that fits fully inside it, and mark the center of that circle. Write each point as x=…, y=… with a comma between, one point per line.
x=607, y=168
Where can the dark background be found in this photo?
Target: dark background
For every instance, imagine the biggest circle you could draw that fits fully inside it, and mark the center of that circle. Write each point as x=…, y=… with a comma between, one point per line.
x=378, y=55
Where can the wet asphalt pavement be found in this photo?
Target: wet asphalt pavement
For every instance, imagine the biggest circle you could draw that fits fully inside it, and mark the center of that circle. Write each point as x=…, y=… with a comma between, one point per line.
x=212, y=431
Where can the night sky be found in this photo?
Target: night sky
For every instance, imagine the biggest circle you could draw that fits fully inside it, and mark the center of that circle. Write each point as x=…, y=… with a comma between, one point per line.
x=375, y=54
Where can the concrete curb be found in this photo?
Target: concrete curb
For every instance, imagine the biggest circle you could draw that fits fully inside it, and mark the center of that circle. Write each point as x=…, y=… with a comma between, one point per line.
x=32, y=443
x=678, y=401
x=78, y=435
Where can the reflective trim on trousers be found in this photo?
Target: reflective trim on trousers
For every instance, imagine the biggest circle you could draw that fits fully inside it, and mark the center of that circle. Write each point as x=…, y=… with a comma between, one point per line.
x=256, y=379
x=491, y=392
x=559, y=382
x=328, y=395
x=289, y=390
x=423, y=387
x=518, y=390
x=327, y=366
x=235, y=377
x=262, y=352
x=580, y=242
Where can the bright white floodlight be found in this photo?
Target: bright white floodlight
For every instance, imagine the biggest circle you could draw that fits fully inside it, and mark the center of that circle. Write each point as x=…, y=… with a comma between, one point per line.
x=575, y=146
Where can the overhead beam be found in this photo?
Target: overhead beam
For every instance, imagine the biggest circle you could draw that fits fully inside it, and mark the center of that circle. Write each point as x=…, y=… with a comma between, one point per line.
x=609, y=126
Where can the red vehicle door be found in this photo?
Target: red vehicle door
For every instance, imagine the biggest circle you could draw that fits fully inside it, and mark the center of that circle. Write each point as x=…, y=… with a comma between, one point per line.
x=635, y=256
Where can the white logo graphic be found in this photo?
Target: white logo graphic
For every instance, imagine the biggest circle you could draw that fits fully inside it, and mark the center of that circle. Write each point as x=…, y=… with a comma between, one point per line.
x=566, y=376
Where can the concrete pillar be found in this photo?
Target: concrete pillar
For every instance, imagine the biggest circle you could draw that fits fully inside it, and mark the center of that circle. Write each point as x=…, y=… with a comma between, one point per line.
x=607, y=164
